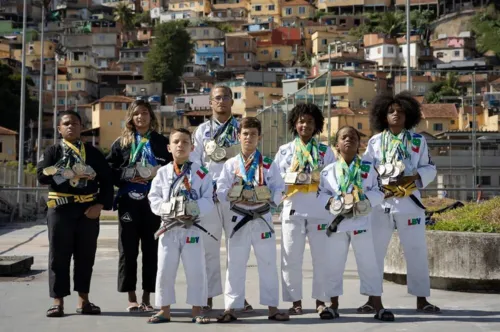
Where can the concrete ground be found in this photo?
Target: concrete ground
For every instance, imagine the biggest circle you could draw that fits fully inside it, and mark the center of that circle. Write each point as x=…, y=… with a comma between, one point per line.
x=25, y=299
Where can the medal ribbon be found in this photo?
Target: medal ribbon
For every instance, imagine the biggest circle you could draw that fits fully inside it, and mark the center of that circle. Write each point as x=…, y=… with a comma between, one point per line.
x=348, y=176
x=78, y=154
x=181, y=175
x=249, y=167
x=393, y=144
x=225, y=135
x=185, y=180
x=305, y=154
x=135, y=150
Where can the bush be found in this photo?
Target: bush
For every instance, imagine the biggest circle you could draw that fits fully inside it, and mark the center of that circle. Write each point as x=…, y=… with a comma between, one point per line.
x=480, y=218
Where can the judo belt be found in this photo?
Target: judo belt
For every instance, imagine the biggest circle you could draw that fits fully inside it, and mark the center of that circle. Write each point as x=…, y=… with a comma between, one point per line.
x=303, y=188
x=166, y=227
x=58, y=199
x=250, y=215
x=333, y=226
x=406, y=190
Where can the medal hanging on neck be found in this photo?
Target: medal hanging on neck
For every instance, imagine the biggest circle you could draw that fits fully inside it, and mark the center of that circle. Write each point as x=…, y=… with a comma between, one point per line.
x=305, y=155
x=348, y=178
x=248, y=170
x=393, y=147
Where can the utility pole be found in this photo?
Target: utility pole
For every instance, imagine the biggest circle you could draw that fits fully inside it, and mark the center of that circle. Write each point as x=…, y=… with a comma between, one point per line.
x=408, y=57
x=56, y=59
x=474, y=141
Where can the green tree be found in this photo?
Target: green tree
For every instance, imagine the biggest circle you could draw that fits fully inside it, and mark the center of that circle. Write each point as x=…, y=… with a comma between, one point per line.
x=486, y=26
x=143, y=17
x=171, y=50
x=10, y=95
x=447, y=88
x=124, y=16
x=420, y=19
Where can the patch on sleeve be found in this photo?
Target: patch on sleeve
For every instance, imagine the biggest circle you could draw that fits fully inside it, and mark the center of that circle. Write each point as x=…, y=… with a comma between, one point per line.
x=322, y=149
x=365, y=169
x=202, y=172
x=267, y=162
x=415, y=144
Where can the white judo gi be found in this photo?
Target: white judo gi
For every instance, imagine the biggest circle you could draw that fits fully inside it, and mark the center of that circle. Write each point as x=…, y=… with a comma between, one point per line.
x=179, y=242
x=255, y=233
x=302, y=216
x=404, y=215
x=215, y=220
x=355, y=231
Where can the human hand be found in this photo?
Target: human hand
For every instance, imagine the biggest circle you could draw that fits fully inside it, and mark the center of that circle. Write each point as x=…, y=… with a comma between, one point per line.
x=139, y=180
x=94, y=211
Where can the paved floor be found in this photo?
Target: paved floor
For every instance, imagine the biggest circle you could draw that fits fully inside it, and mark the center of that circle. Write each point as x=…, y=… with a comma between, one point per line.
x=25, y=299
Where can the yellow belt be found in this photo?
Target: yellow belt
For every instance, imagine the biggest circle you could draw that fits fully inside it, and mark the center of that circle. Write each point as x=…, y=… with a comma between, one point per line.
x=56, y=199
x=302, y=188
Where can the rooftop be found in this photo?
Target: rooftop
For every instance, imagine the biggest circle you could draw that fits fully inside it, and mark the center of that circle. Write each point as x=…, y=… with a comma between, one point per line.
x=439, y=111
x=6, y=131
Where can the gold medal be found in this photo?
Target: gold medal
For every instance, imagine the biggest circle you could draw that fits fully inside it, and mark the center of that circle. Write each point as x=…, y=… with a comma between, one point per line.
x=79, y=168
x=262, y=193
x=315, y=176
x=68, y=174
x=248, y=194
x=49, y=171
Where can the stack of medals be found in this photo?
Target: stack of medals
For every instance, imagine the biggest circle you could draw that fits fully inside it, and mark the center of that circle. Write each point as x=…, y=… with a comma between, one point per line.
x=73, y=174
x=183, y=198
x=393, y=150
x=391, y=172
x=247, y=188
x=145, y=171
x=217, y=149
x=351, y=204
x=302, y=177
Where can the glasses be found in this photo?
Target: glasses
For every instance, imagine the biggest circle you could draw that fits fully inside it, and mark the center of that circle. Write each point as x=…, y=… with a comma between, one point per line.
x=222, y=98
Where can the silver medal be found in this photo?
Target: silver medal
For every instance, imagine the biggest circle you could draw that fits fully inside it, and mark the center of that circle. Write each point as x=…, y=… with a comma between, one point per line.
x=363, y=207
x=68, y=174
x=381, y=170
x=389, y=169
x=396, y=171
x=337, y=205
x=144, y=172
x=218, y=154
x=401, y=166
x=210, y=147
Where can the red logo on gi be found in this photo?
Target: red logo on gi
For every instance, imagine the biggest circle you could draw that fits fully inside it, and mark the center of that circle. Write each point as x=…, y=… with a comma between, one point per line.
x=265, y=235
x=359, y=231
x=192, y=239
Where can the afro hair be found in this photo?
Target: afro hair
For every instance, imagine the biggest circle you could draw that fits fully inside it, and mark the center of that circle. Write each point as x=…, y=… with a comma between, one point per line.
x=380, y=108
x=306, y=109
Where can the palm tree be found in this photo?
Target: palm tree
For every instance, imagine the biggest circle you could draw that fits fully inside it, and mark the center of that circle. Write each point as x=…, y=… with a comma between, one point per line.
x=125, y=17
x=448, y=87
x=391, y=23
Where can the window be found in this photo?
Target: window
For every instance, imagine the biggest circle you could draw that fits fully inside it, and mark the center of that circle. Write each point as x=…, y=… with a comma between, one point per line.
x=1, y=147
x=122, y=124
x=144, y=32
x=245, y=44
x=400, y=50
x=124, y=106
x=452, y=122
x=229, y=56
x=78, y=85
x=133, y=89
x=126, y=67
x=264, y=52
x=456, y=53
x=271, y=7
x=246, y=56
x=439, y=55
x=357, y=22
x=483, y=180
x=288, y=11
x=276, y=54
x=360, y=126
x=110, y=123
x=323, y=41
x=390, y=50
x=379, y=50
x=77, y=70
x=205, y=32
x=181, y=5
x=60, y=101
x=258, y=8
x=437, y=127
x=342, y=21
x=206, y=45
x=193, y=33
x=237, y=95
x=302, y=10
x=108, y=106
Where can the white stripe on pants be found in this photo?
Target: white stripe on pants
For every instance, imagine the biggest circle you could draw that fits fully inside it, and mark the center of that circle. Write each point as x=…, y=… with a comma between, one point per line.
x=186, y=244
x=255, y=233
x=411, y=231
x=364, y=251
x=293, y=241
x=213, y=223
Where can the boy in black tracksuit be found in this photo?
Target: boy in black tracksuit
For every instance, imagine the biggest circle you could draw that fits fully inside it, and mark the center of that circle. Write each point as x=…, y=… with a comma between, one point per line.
x=147, y=149
x=80, y=186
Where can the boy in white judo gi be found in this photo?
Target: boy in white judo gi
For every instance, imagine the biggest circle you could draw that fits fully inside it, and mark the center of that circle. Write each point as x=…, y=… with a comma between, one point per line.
x=402, y=159
x=302, y=216
x=180, y=193
x=252, y=183
x=349, y=189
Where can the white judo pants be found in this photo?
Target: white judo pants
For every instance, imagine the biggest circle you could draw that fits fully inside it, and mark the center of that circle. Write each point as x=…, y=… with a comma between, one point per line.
x=411, y=231
x=293, y=240
x=257, y=234
x=214, y=223
x=186, y=244
x=338, y=247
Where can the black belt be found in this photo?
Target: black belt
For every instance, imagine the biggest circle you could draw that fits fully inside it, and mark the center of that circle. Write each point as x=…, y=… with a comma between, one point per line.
x=417, y=202
x=250, y=215
x=333, y=226
x=166, y=227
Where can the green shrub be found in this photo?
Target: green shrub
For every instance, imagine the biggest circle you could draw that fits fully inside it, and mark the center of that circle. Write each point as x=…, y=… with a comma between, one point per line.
x=480, y=218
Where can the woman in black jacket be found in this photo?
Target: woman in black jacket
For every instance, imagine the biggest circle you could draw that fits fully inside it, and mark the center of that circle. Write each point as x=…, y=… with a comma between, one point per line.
x=134, y=158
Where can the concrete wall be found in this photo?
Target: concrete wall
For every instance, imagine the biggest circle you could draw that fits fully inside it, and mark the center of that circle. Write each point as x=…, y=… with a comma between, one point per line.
x=457, y=261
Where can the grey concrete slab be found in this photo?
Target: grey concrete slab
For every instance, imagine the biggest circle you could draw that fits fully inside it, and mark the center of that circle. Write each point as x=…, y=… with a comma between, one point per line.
x=25, y=299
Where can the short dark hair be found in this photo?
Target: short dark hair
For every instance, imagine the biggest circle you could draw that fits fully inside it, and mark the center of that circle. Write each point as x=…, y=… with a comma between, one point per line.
x=303, y=109
x=380, y=108
x=183, y=131
x=71, y=113
x=221, y=86
x=336, y=138
x=250, y=122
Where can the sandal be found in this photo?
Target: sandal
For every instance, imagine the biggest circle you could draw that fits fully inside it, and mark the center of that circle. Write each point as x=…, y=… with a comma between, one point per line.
x=206, y=309
x=430, y=309
x=295, y=311
x=248, y=308
x=146, y=307
x=134, y=309
x=226, y=317
x=89, y=309
x=366, y=309
x=157, y=319
x=55, y=311
x=384, y=315
x=279, y=317
x=328, y=313
x=201, y=320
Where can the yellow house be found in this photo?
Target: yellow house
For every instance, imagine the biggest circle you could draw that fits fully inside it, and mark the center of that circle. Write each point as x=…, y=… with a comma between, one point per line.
x=7, y=144
x=340, y=117
x=321, y=39
x=466, y=117
x=33, y=52
x=249, y=99
x=108, y=118
x=348, y=90
x=263, y=11
x=275, y=53
x=202, y=7
x=297, y=8
x=438, y=118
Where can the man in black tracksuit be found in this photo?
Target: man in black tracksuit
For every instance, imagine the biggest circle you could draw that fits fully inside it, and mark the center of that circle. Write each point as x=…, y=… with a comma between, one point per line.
x=140, y=146
x=80, y=186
